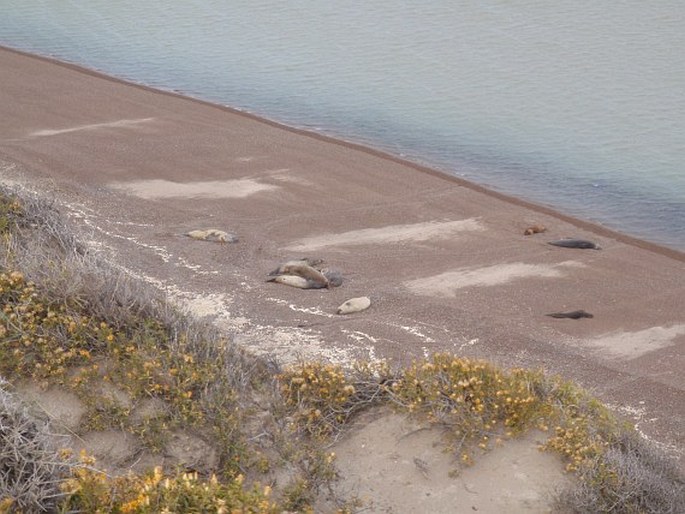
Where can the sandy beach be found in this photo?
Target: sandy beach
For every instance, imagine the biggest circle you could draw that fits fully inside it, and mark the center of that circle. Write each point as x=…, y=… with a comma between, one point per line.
x=445, y=263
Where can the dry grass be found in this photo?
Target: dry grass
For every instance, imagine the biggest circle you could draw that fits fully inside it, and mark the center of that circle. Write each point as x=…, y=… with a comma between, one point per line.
x=31, y=468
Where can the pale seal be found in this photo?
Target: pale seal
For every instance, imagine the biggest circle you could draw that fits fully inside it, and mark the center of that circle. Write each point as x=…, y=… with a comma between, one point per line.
x=213, y=234
x=354, y=305
x=571, y=315
x=296, y=281
x=576, y=243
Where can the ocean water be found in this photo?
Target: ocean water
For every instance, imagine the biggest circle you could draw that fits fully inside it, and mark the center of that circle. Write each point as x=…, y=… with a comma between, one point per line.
x=575, y=105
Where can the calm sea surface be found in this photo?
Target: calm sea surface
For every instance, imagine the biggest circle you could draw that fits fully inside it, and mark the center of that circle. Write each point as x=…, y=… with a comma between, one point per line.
x=578, y=105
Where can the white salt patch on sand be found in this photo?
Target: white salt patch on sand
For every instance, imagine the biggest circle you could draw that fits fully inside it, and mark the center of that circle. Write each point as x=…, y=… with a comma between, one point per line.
x=206, y=304
x=159, y=188
x=447, y=284
x=416, y=332
x=307, y=310
x=629, y=345
x=93, y=126
x=289, y=345
x=283, y=175
x=390, y=234
x=359, y=337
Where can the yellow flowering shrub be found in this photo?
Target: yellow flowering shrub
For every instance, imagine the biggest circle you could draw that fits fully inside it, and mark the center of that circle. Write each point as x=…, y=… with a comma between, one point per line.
x=89, y=490
x=40, y=339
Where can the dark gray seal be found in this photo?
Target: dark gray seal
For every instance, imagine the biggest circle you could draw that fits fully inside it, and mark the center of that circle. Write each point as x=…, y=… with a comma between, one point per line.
x=576, y=243
x=571, y=315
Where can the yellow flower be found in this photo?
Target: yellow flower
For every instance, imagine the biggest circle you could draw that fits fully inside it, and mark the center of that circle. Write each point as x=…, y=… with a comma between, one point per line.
x=6, y=504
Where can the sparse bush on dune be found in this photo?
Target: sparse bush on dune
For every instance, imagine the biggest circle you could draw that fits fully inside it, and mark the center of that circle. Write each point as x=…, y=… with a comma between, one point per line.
x=70, y=319
x=31, y=466
x=631, y=476
x=479, y=404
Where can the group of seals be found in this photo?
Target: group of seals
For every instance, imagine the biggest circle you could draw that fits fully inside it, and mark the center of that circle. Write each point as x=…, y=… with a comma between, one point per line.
x=583, y=244
x=310, y=274
x=306, y=274
x=569, y=242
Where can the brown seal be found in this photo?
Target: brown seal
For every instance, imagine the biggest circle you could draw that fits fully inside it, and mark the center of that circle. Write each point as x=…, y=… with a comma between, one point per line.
x=534, y=229
x=312, y=270
x=283, y=268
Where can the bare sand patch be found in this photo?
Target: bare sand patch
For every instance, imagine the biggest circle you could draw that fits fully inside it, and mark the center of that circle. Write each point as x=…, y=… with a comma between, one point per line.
x=629, y=345
x=156, y=189
x=396, y=465
x=389, y=234
x=113, y=449
x=92, y=126
x=446, y=284
x=61, y=406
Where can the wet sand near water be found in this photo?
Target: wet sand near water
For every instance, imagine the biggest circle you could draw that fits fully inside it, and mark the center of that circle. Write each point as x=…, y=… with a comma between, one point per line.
x=445, y=263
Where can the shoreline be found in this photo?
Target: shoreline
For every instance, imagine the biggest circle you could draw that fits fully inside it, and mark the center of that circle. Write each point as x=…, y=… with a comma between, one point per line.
x=444, y=261
x=579, y=222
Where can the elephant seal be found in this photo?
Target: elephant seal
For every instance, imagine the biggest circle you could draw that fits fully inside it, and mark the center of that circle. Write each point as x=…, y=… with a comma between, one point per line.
x=313, y=275
x=213, y=234
x=284, y=268
x=296, y=281
x=310, y=269
x=335, y=278
x=571, y=315
x=354, y=305
x=576, y=243
x=534, y=229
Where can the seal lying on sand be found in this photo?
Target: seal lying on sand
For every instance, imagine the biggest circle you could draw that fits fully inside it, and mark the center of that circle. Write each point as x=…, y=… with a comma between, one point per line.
x=213, y=234
x=354, y=305
x=534, y=229
x=309, y=269
x=297, y=281
x=576, y=243
x=335, y=278
x=572, y=315
x=284, y=269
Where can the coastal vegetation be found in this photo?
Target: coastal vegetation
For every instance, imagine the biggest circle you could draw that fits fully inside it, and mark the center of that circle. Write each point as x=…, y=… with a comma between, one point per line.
x=72, y=322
